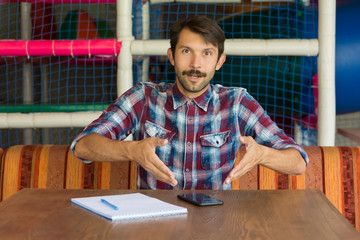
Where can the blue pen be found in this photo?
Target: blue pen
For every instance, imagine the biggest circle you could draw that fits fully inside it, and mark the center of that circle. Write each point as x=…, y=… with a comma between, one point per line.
x=109, y=204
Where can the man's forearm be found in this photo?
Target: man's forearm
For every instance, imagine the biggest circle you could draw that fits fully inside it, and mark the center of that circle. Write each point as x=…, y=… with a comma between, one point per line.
x=287, y=161
x=95, y=147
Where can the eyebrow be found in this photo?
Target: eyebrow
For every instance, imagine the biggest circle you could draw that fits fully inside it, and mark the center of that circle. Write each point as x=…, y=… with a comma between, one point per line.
x=206, y=49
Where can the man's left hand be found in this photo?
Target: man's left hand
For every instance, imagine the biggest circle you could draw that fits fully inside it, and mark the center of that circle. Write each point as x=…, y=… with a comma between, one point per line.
x=251, y=158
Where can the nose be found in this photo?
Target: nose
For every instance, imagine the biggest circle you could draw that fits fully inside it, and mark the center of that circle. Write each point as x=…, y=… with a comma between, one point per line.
x=196, y=61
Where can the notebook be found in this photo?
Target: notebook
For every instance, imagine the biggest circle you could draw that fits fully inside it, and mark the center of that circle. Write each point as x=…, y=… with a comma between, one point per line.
x=128, y=206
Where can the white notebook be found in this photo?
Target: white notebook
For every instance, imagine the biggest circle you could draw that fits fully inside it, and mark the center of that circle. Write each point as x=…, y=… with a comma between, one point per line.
x=129, y=206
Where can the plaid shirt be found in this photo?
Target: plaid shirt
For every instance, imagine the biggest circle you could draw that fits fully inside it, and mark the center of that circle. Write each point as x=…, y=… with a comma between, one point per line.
x=202, y=132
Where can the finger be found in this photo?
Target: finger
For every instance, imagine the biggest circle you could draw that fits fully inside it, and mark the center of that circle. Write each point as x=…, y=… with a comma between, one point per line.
x=155, y=166
x=237, y=172
x=159, y=142
x=162, y=176
x=246, y=140
x=243, y=166
x=160, y=171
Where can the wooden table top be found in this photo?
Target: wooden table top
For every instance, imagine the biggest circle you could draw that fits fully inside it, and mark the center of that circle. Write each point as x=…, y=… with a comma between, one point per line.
x=351, y=133
x=253, y=214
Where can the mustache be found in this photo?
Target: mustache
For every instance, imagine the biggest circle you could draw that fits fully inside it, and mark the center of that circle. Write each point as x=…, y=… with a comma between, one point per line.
x=194, y=72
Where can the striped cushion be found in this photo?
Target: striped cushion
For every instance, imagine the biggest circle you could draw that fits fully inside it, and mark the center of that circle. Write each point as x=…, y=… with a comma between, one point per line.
x=55, y=167
x=333, y=170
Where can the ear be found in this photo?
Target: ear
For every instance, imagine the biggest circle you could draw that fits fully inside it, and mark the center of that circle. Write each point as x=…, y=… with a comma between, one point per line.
x=170, y=56
x=220, y=62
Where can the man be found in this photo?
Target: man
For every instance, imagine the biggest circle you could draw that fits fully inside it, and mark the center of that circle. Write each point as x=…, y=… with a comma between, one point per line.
x=186, y=134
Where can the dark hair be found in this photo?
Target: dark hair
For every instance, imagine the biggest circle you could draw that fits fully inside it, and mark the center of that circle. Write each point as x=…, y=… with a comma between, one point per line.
x=206, y=27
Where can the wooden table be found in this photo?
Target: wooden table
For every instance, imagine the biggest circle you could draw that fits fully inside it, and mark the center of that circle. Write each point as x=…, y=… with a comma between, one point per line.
x=266, y=214
x=351, y=133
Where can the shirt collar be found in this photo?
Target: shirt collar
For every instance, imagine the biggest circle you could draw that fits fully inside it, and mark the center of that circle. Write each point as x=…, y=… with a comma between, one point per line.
x=201, y=101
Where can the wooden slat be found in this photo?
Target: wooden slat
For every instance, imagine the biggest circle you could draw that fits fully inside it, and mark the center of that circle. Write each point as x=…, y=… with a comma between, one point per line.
x=314, y=171
x=332, y=176
x=56, y=167
x=267, y=178
x=41, y=157
x=356, y=169
x=1, y=171
x=12, y=171
x=298, y=182
x=74, y=172
x=133, y=175
x=102, y=175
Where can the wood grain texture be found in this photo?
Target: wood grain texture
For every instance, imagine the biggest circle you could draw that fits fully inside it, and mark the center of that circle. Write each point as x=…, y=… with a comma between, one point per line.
x=246, y=214
x=333, y=177
x=1, y=170
x=11, y=172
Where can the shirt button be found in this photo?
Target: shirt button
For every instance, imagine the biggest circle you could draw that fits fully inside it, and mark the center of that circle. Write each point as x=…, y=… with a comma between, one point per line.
x=187, y=170
x=189, y=143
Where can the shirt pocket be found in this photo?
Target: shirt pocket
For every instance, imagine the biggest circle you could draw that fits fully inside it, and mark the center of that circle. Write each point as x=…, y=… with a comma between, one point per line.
x=214, y=149
x=154, y=130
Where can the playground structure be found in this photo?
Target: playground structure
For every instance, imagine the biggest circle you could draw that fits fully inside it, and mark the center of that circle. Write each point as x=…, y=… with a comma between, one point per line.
x=143, y=47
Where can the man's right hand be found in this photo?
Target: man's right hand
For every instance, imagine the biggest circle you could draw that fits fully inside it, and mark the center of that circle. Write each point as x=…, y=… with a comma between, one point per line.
x=95, y=147
x=144, y=154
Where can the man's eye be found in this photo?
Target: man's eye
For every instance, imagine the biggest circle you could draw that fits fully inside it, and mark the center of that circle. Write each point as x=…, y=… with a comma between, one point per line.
x=207, y=53
x=186, y=51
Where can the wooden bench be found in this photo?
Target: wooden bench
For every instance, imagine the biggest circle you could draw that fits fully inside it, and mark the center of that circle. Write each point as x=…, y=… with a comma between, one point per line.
x=333, y=170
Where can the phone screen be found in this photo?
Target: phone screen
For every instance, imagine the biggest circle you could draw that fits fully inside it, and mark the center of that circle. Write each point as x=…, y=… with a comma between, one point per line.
x=200, y=199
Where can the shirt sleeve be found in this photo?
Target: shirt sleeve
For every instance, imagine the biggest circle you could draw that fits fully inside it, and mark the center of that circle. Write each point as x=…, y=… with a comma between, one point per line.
x=119, y=119
x=256, y=123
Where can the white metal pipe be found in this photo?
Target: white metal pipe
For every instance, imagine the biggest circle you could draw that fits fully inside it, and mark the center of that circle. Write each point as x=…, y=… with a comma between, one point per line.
x=240, y=47
x=124, y=34
x=326, y=73
x=272, y=47
x=146, y=36
x=47, y=120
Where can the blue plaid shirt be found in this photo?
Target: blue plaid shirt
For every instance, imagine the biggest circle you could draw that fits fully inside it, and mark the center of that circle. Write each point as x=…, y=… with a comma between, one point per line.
x=202, y=132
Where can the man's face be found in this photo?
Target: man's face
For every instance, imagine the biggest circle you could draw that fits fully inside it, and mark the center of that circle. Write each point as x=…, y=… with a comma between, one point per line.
x=195, y=63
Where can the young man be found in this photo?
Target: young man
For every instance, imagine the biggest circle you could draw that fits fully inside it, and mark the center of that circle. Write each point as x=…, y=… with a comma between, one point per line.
x=186, y=134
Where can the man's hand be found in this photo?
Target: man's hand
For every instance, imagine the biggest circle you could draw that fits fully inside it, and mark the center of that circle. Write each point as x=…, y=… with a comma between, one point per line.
x=251, y=158
x=95, y=147
x=286, y=161
x=144, y=154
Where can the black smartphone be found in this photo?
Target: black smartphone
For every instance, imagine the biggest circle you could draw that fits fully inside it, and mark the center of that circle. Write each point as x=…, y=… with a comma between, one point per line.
x=200, y=199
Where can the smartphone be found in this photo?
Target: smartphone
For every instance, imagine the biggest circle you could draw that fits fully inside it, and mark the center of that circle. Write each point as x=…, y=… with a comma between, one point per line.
x=200, y=199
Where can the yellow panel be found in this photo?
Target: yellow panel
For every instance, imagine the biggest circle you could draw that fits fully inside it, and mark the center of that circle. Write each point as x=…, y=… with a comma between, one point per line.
x=332, y=174
x=102, y=177
x=267, y=178
x=40, y=162
x=74, y=172
x=12, y=171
